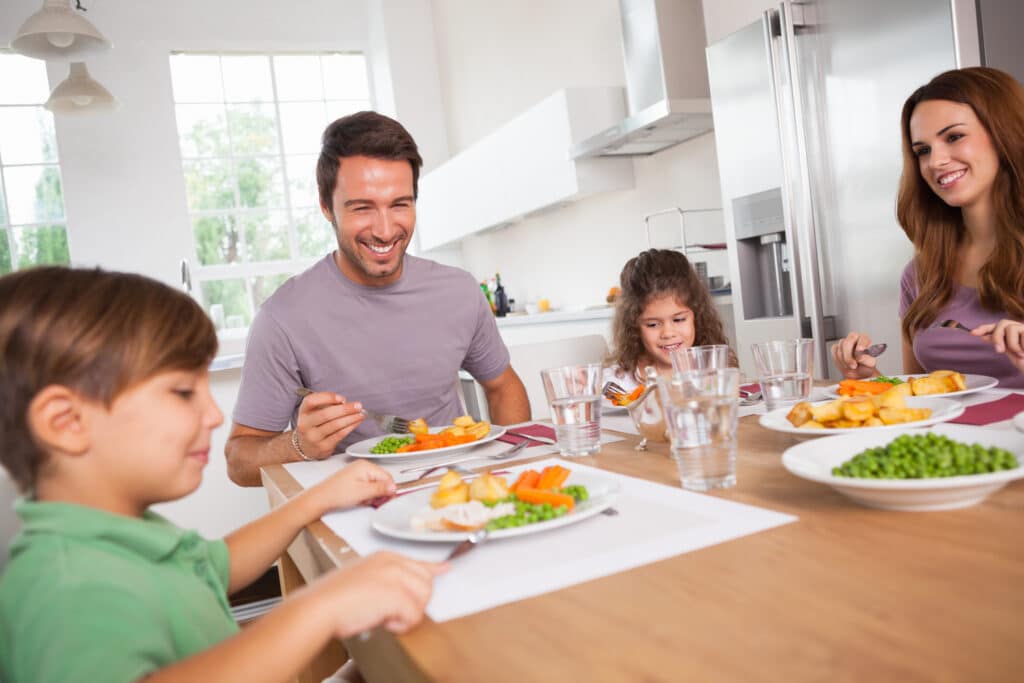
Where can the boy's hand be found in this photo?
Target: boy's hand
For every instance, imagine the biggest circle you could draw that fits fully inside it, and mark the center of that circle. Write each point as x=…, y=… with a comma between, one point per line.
x=356, y=483
x=324, y=419
x=383, y=588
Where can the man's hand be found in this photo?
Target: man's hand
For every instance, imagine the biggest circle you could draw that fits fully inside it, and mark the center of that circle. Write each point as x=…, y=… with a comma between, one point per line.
x=1007, y=336
x=325, y=418
x=355, y=483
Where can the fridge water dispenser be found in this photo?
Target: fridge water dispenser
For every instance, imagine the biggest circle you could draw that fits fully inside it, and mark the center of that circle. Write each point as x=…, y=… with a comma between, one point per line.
x=763, y=255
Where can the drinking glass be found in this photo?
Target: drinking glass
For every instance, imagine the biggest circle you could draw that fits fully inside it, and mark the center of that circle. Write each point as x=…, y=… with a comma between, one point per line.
x=647, y=414
x=701, y=408
x=689, y=358
x=574, y=396
x=784, y=371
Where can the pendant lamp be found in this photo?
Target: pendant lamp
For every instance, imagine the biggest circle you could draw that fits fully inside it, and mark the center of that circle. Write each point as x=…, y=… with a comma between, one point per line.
x=79, y=93
x=58, y=32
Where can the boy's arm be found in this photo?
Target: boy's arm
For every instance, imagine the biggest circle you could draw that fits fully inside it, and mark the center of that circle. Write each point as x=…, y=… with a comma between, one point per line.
x=383, y=588
x=255, y=546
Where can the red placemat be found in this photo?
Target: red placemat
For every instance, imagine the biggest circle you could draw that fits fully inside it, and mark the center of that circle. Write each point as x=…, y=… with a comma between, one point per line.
x=531, y=430
x=993, y=411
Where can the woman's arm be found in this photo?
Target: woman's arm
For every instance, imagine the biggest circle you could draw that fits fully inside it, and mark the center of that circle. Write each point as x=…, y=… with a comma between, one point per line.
x=911, y=366
x=256, y=545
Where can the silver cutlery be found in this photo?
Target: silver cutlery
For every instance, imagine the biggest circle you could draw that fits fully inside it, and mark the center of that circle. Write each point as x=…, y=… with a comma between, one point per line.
x=538, y=439
x=391, y=424
x=497, y=456
x=953, y=325
x=875, y=350
x=612, y=391
x=473, y=540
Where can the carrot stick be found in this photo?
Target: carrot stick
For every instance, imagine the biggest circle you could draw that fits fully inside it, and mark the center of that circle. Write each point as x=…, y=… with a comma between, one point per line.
x=529, y=479
x=539, y=497
x=563, y=474
x=547, y=477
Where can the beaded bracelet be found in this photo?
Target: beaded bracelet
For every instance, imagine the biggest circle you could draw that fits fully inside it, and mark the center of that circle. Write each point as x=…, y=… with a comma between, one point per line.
x=295, y=445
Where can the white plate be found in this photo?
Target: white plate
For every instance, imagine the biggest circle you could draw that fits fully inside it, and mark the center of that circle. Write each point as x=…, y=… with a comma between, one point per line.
x=392, y=519
x=814, y=460
x=943, y=410
x=361, y=449
x=974, y=383
x=1018, y=421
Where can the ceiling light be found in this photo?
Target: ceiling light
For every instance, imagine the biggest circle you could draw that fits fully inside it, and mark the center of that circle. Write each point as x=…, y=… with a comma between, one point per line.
x=58, y=32
x=79, y=92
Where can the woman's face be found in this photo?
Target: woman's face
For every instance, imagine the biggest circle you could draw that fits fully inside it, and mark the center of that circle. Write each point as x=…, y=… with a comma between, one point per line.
x=954, y=152
x=665, y=325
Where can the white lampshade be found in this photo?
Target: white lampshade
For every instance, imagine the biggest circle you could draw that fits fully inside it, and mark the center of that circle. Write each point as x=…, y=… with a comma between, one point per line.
x=79, y=92
x=58, y=32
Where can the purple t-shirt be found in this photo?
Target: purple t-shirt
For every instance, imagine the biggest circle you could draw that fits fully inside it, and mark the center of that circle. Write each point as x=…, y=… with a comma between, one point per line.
x=397, y=349
x=950, y=349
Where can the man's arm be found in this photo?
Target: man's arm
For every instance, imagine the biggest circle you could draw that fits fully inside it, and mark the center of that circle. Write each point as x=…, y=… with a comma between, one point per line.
x=506, y=398
x=324, y=419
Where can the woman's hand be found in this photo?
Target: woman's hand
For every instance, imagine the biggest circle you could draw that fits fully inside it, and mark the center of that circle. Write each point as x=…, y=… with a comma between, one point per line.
x=849, y=362
x=1007, y=336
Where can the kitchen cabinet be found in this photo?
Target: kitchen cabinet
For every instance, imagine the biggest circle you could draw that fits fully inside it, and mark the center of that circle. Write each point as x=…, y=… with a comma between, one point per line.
x=523, y=168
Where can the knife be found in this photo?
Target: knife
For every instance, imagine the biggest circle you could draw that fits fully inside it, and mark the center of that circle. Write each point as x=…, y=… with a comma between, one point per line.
x=538, y=439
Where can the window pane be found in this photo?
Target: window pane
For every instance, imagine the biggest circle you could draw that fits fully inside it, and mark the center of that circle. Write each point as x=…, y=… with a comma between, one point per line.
x=266, y=237
x=253, y=129
x=209, y=184
x=264, y=285
x=231, y=295
x=298, y=78
x=34, y=194
x=247, y=79
x=3, y=210
x=345, y=77
x=338, y=108
x=24, y=80
x=26, y=135
x=201, y=130
x=315, y=234
x=302, y=124
x=41, y=245
x=302, y=180
x=196, y=78
x=261, y=183
x=217, y=239
x=5, y=253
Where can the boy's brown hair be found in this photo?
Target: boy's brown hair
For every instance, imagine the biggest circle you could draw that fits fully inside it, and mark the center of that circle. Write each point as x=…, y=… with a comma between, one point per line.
x=95, y=332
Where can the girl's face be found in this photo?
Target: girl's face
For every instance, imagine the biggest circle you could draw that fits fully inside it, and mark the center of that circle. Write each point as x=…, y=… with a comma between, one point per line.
x=153, y=442
x=954, y=152
x=665, y=324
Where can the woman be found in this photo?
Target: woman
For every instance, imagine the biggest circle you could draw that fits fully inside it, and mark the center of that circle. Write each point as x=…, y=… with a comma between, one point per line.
x=961, y=203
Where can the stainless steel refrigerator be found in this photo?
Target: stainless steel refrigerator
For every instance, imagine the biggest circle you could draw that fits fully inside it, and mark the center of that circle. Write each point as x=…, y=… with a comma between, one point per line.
x=806, y=107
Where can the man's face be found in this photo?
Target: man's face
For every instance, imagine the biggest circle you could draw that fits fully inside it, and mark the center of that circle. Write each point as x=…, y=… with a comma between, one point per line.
x=374, y=213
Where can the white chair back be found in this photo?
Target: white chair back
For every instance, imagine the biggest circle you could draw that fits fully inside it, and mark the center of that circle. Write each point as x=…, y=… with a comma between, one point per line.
x=529, y=359
x=9, y=522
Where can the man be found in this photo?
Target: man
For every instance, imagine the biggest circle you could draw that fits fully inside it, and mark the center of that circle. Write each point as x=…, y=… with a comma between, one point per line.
x=387, y=330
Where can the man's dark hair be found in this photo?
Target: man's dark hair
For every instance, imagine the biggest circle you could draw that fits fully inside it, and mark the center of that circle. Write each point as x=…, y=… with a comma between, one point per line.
x=364, y=133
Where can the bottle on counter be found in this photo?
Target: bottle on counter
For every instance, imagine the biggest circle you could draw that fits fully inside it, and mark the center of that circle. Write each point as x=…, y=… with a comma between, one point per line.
x=487, y=295
x=500, y=298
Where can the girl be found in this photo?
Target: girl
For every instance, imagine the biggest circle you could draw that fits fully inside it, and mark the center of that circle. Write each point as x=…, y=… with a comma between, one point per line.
x=662, y=306
x=961, y=203
x=105, y=410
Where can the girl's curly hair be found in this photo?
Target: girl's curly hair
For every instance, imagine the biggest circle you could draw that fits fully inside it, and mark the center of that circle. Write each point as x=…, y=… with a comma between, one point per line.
x=652, y=274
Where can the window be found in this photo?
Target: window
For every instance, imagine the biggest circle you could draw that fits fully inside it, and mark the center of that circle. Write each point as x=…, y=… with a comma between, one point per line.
x=32, y=224
x=249, y=128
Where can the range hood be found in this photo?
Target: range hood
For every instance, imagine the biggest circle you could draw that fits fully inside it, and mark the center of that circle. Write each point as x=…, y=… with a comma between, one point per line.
x=666, y=80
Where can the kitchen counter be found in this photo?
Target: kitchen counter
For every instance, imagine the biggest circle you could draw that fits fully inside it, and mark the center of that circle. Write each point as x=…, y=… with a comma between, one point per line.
x=593, y=313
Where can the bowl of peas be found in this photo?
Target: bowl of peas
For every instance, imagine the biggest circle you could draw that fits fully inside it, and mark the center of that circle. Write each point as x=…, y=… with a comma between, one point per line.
x=943, y=467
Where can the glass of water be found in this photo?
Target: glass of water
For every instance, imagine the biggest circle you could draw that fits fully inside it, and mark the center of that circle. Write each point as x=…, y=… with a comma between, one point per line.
x=701, y=408
x=784, y=370
x=687, y=359
x=574, y=395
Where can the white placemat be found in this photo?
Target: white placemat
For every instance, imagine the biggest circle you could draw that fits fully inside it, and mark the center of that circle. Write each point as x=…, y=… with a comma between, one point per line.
x=654, y=522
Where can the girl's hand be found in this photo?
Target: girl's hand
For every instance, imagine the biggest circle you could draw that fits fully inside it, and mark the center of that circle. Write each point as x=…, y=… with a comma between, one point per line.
x=383, y=588
x=1007, y=336
x=356, y=483
x=854, y=367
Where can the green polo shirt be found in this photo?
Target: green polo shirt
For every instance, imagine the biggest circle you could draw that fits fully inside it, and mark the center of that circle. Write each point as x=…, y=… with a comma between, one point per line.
x=93, y=596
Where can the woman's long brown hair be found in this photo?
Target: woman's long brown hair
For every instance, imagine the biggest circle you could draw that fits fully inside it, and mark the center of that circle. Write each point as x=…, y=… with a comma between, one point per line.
x=937, y=229
x=655, y=273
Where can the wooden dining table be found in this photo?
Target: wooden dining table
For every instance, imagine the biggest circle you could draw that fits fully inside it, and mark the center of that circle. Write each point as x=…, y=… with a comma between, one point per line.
x=846, y=593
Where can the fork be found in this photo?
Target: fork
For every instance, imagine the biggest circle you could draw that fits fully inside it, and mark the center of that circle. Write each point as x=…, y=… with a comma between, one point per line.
x=612, y=390
x=953, y=325
x=391, y=424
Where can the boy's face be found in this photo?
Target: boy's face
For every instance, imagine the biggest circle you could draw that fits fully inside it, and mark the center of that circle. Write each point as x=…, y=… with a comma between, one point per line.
x=154, y=441
x=666, y=324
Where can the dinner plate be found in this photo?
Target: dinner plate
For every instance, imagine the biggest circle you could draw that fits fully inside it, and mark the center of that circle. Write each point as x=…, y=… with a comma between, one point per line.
x=393, y=518
x=974, y=383
x=943, y=410
x=814, y=460
x=361, y=449
x=1018, y=421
